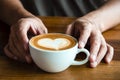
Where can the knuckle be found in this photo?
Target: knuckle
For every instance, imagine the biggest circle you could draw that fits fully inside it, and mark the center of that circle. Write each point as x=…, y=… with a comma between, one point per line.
x=96, y=42
x=103, y=45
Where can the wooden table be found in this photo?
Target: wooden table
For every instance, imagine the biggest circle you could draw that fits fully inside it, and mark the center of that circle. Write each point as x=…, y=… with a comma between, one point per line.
x=13, y=70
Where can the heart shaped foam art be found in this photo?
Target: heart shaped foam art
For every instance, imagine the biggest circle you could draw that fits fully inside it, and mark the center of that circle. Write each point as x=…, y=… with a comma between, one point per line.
x=55, y=44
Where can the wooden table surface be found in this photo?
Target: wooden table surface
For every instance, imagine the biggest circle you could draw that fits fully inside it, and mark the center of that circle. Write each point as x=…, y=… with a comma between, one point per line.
x=13, y=70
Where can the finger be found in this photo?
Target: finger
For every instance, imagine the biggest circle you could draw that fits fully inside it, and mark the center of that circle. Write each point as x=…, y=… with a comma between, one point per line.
x=101, y=54
x=8, y=53
x=25, y=49
x=109, y=54
x=15, y=44
x=84, y=35
x=15, y=49
x=41, y=29
x=25, y=24
x=22, y=34
x=22, y=37
x=95, y=46
x=28, y=58
x=18, y=43
x=38, y=26
x=69, y=29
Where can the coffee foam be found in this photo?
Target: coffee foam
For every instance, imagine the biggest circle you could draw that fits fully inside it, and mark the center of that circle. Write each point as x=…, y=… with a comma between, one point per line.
x=53, y=41
x=55, y=44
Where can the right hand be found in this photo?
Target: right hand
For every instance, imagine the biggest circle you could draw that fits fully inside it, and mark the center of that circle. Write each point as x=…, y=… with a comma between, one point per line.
x=88, y=32
x=17, y=46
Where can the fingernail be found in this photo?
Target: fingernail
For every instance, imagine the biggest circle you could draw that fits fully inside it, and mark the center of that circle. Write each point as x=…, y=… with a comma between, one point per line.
x=108, y=60
x=81, y=44
x=93, y=58
x=93, y=64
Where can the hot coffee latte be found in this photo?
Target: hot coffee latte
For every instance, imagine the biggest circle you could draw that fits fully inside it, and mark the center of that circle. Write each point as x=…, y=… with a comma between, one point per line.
x=49, y=51
x=53, y=41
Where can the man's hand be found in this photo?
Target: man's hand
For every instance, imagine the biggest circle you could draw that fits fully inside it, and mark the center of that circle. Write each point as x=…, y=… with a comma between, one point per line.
x=17, y=47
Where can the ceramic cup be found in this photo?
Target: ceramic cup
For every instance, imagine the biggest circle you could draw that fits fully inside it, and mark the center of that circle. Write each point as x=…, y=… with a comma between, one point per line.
x=60, y=53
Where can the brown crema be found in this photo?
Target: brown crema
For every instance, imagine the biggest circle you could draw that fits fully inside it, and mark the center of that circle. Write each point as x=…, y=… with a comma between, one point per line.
x=34, y=40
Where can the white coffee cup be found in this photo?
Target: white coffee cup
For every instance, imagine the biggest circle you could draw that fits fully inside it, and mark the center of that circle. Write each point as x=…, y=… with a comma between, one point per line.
x=56, y=60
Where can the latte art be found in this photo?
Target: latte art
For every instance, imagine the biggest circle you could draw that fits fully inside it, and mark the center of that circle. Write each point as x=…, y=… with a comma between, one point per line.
x=53, y=41
x=55, y=44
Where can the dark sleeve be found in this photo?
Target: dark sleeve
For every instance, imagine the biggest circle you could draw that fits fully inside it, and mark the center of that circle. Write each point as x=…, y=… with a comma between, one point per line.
x=30, y=6
x=71, y=8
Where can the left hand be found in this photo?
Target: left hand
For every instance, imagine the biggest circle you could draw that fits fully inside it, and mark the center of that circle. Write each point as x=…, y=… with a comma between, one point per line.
x=86, y=31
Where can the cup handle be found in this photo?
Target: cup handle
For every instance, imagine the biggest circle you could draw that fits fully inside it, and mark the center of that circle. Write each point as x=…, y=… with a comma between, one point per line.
x=83, y=61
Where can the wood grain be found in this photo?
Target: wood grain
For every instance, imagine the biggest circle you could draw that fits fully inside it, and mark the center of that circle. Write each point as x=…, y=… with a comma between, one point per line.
x=14, y=70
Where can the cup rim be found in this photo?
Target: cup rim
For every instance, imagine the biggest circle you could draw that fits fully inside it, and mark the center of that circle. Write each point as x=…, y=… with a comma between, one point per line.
x=39, y=49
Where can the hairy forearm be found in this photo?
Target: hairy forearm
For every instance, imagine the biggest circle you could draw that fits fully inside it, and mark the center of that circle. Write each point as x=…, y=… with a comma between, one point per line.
x=107, y=16
x=12, y=10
